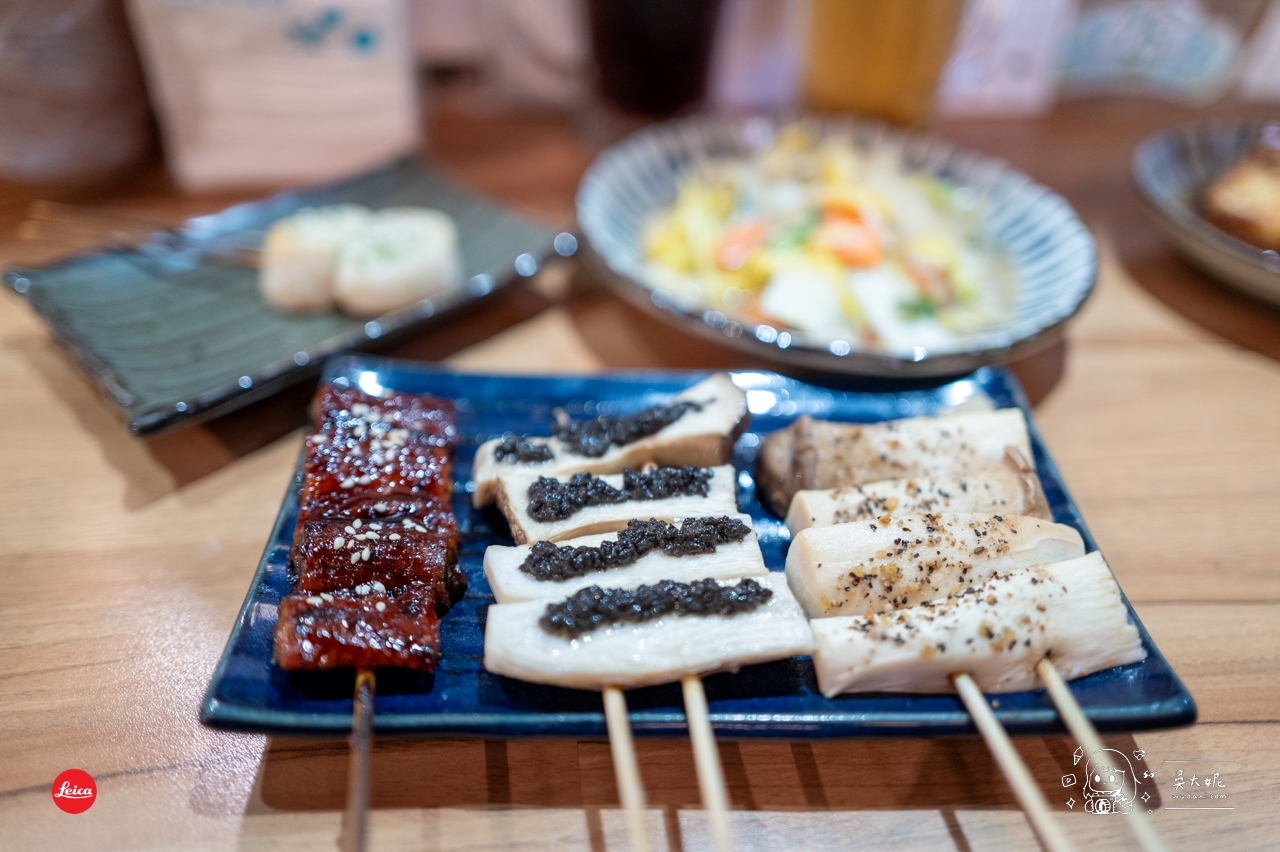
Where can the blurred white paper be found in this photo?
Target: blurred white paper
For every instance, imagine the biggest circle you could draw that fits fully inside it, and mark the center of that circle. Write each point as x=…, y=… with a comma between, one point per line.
x=282, y=93
x=758, y=57
x=447, y=32
x=537, y=52
x=1260, y=76
x=1006, y=57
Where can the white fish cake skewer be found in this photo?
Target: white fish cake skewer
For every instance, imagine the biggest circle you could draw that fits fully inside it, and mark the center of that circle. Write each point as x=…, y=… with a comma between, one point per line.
x=1069, y=612
x=630, y=655
x=627, y=655
x=513, y=500
x=300, y=252
x=729, y=561
x=402, y=255
x=1009, y=487
x=671, y=647
x=703, y=438
x=891, y=563
x=814, y=454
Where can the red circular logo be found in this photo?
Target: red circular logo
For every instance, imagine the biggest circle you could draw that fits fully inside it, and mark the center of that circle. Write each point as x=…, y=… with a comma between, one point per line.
x=74, y=791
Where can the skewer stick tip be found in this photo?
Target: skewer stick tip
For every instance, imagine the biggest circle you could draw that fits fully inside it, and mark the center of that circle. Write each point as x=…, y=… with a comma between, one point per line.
x=715, y=798
x=1087, y=736
x=626, y=767
x=1015, y=771
x=355, y=819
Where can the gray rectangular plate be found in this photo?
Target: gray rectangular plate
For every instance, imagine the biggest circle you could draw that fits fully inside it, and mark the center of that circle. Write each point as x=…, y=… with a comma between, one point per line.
x=174, y=338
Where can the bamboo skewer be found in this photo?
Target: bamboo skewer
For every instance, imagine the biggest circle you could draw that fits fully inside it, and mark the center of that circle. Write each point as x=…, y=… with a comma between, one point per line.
x=1015, y=771
x=356, y=817
x=625, y=767
x=1084, y=732
x=87, y=226
x=706, y=758
x=92, y=217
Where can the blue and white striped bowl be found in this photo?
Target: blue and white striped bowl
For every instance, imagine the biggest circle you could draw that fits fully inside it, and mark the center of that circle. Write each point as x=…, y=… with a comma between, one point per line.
x=1053, y=253
x=1172, y=168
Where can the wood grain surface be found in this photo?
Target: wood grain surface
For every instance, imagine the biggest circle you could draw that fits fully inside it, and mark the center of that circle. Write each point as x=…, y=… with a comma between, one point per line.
x=124, y=562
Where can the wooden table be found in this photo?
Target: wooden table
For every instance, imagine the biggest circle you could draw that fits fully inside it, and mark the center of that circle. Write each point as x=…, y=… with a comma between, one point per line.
x=126, y=561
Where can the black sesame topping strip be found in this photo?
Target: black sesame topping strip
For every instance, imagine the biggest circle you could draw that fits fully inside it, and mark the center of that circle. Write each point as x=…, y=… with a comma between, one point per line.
x=547, y=562
x=522, y=450
x=592, y=438
x=553, y=500
x=594, y=607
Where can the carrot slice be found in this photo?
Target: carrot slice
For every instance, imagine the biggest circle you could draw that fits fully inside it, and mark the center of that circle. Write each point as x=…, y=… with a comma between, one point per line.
x=737, y=244
x=851, y=242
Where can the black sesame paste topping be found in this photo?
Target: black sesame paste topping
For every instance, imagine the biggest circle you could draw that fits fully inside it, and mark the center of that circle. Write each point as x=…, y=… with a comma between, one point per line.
x=595, y=607
x=553, y=500
x=548, y=562
x=522, y=450
x=592, y=438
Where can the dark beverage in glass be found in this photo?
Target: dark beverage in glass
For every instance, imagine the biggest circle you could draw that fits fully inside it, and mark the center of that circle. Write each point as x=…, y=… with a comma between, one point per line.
x=652, y=55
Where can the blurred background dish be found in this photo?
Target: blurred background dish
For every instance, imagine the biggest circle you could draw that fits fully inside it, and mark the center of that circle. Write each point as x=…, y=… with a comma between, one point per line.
x=175, y=329
x=1174, y=169
x=1244, y=200
x=829, y=240
x=1032, y=229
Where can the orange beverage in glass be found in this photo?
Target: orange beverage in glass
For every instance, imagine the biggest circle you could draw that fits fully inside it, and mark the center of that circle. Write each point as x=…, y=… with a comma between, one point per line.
x=879, y=57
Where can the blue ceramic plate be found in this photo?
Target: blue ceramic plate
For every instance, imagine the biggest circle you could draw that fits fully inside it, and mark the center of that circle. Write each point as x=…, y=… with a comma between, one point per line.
x=772, y=700
x=1052, y=251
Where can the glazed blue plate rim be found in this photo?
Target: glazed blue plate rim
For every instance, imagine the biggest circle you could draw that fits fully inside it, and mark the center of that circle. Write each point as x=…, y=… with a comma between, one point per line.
x=1176, y=709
